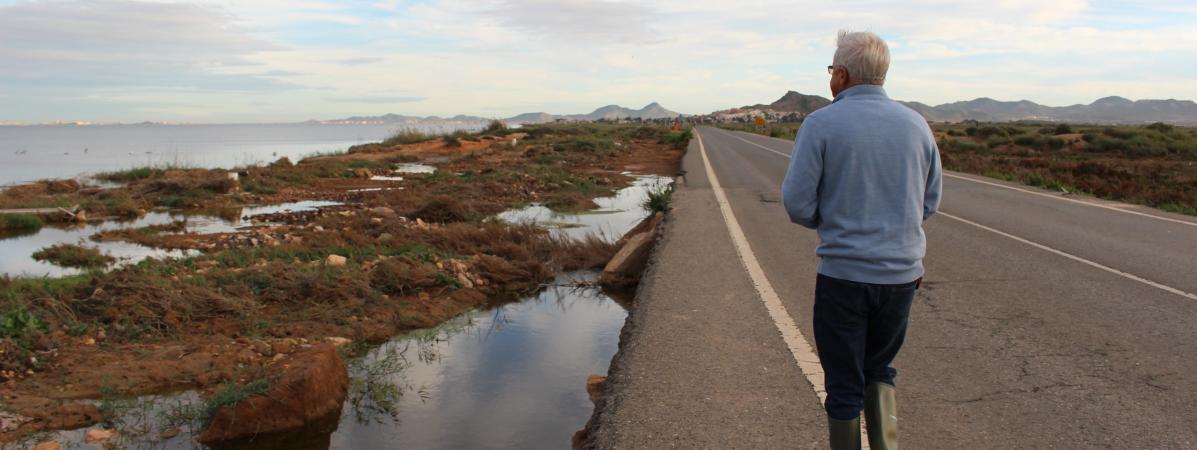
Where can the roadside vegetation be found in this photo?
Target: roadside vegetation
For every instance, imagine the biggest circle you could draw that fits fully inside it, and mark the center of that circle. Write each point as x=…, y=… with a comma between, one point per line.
x=1153, y=165
x=780, y=130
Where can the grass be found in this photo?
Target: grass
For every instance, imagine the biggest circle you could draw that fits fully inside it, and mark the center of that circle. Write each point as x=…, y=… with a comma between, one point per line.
x=134, y=174
x=659, y=198
x=20, y=222
x=71, y=255
x=407, y=136
x=230, y=394
x=20, y=323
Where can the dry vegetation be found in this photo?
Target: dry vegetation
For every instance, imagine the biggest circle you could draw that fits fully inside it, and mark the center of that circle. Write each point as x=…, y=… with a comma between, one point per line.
x=384, y=262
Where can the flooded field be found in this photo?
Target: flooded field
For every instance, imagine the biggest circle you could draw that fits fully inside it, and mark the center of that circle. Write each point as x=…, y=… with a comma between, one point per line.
x=19, y=248
x=509, y=375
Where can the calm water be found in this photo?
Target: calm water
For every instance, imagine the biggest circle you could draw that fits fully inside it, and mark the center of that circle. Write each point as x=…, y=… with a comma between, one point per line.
x=30, y=153
x=19, y=248
x=512, y=376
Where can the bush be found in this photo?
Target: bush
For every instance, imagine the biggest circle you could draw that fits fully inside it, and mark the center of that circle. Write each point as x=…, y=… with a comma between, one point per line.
x=678, y=139
x=407, y=136
x=20, y=222
x=1063, y=129
x=960, y=146
x=70, y=255
x=1161, y=127
x=658, y=199
x=989, y=131
x=135, y=174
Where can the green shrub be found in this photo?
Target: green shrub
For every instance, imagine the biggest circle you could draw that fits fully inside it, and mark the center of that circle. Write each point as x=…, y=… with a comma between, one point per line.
x=1063, y=129
x=20, y=222
x=960, y=146
x=989, y=131
x=658, y=198
x=678, y=139
x=19, y=323
x=407, y=136
x=134, y=174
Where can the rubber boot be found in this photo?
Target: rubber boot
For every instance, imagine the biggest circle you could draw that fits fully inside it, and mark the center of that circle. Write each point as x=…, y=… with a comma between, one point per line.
x=881, y=416
x=844, y=434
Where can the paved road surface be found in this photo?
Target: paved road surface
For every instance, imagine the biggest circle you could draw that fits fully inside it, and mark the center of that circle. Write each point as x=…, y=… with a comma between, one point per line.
x=1045, y=321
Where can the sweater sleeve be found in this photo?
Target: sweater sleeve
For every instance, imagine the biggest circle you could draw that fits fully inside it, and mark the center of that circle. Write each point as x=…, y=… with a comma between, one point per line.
x=934, y=184
x=800, y=189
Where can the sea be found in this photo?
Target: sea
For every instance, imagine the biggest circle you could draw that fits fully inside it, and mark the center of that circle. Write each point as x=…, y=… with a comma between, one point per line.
x=35, y=152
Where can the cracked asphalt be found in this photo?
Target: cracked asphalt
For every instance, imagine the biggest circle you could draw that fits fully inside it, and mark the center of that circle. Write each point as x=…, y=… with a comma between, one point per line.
x=1010, y=346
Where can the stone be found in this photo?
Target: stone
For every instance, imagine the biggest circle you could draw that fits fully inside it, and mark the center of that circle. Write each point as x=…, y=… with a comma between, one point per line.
x=169, y=433
x=98, y=435
x=262, y=347
x=594, y=386
x=363, y=173
x=337, y=341
x=625, y=267
x=385, y=237
x=376, y=221
x=464, y=281
x=382, y=211
x=336, y=260
x=311, y=387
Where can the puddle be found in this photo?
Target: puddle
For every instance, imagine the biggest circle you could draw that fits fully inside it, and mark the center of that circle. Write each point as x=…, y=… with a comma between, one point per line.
x=614, y=216
x=386, y=178
x=414, y=168
x=507, y=376
x=18, y=249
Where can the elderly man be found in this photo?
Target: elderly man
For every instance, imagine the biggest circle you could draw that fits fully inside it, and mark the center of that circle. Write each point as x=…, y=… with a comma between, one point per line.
x=865, y=174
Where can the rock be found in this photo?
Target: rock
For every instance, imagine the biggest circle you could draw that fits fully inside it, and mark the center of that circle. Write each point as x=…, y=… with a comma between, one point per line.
x=89, y=341
x=362, y=173
x=311, y=388
x=262, y=347
x=169, y=433
x=625, y=267
x=338, y=341
x=99, y=435
x=594, y=386
x=51, y=445
x=385, y=237
x=376, y=221
x=10, y=421
x=336, y=260
x=464, y=281
x=81, y=216
x=383, y=211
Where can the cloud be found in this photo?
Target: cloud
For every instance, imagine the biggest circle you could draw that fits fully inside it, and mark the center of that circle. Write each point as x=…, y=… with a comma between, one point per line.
x=379, y=99
x=85, y=45
x=579, y=20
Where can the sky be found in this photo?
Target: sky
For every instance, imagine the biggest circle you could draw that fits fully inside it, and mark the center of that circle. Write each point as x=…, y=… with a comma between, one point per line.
x=223, y=61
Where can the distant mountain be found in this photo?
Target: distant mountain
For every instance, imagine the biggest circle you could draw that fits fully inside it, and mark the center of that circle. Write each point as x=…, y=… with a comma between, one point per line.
x=1104, y=110
x=610, y=112
x=406, y=120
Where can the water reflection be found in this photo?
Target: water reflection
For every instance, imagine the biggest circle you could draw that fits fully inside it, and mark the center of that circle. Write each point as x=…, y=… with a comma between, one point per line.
x=18, y=249
x=511, y=377
x=614, y=216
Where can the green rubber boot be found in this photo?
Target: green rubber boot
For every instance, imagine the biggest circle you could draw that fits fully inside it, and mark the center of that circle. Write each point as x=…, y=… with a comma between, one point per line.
x=881, y=417
x=845, y=434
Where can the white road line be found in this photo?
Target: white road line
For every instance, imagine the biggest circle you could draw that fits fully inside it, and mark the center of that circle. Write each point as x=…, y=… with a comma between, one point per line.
x=1127, y=275
x=804, y=354
x=1026, y=191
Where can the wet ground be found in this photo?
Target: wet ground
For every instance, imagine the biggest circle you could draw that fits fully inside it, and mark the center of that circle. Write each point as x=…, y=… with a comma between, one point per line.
x=507, y=376
x=19, y=248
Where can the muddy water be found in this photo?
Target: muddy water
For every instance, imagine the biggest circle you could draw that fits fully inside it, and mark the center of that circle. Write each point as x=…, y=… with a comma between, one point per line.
x=507, y=376
x=19, y=248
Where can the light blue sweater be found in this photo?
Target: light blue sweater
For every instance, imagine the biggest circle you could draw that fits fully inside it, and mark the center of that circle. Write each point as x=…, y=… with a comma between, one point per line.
x=865, y=174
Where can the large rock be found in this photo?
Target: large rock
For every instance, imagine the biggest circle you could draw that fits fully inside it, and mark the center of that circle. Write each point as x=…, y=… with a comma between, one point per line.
x=625, y=267
x=312, y=387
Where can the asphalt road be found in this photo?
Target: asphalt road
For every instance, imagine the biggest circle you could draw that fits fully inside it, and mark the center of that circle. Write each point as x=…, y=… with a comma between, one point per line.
x=1045, y=321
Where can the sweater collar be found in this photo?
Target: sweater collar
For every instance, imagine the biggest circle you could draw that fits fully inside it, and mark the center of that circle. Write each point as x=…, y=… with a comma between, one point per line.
x=861, y=90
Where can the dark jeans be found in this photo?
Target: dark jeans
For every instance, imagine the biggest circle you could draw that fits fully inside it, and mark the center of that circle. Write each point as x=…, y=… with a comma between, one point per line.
x=859, y=328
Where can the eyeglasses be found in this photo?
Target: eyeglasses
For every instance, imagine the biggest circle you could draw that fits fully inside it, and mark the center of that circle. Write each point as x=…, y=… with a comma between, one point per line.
x=830, y=70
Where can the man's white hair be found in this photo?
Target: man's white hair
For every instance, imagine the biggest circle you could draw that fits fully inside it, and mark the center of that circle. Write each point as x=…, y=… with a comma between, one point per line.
x=864, y=55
